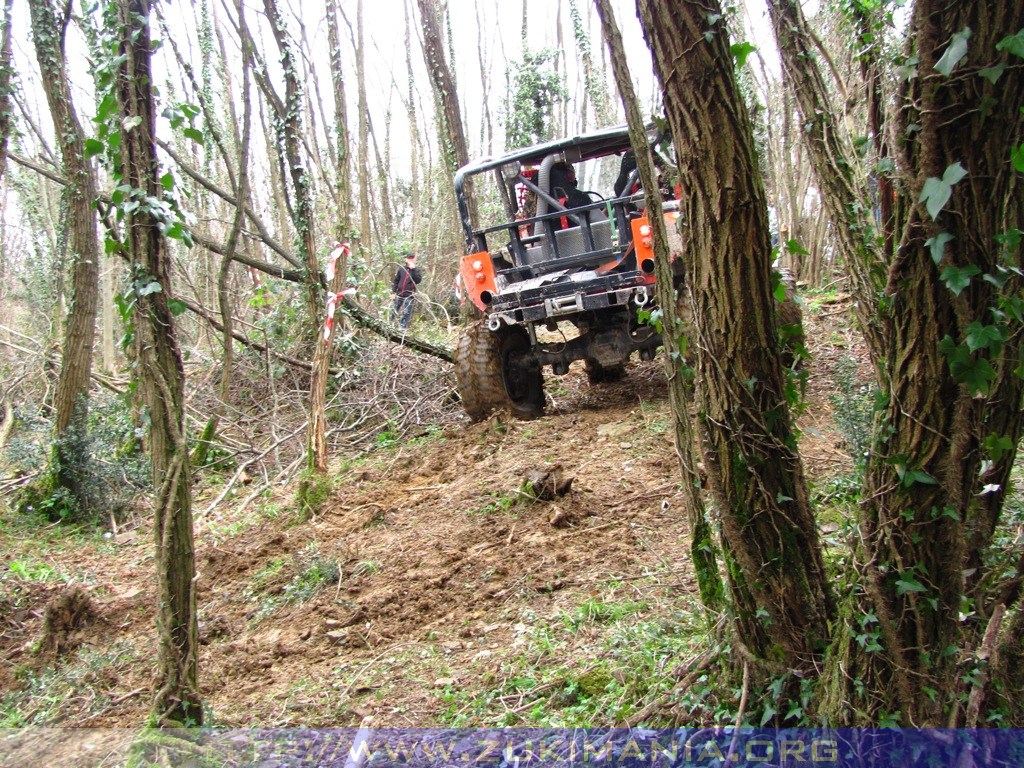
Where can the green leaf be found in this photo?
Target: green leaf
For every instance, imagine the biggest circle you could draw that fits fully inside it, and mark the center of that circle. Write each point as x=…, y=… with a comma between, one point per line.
x=131, y=122
x=953, y=174
x=1013, y=306
x=976, y=374
x=997, y=445
x=177, y=306
x=907, y=582
x=107, y=107
x=175, y=115
x=958, y=278
x=769, y=713
x=1011, y=238
x=195, y=134
x=938, y=245
x=910, y=477
x=1017, y=157
x=167, y=181
x=740, y=52
x=990, y=337
x=149, y=288
x=992, y=74
x=936, y=192
x=1013, y=44
x=93, y=147
x=954, y=53
x=794, y=247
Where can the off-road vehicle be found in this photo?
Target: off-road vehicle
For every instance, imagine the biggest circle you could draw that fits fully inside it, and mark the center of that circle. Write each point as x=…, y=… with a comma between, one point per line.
x=558, y=272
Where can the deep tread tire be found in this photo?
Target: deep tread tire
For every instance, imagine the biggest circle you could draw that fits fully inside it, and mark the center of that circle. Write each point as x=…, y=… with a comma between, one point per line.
x=488, y=382
x=598, y=374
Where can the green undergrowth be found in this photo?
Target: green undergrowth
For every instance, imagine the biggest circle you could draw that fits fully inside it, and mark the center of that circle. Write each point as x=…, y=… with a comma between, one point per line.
x=596, y=663
x=49, y=696
x=292, y=579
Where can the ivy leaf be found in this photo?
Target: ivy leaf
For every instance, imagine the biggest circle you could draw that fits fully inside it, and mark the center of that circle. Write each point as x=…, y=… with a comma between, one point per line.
x=93, y=147
x=1013, y=306
x=740, y=52
x=911, y=477
x=1013, y=43
x=992, y=74
x=908, y=70
x=908, y=583
x=954, y=53
x=938, y=245
x=107, y=107
x=976, y=375
x=131, y=122
x=958, y=278
x=177, y=306
x=149, y=288
x=167, y=181
x=996, y=445
x=1017, y=157
x=794, y=247
x=1011, y=238
x=936, y=192
x=195, y=134
x=990, y=337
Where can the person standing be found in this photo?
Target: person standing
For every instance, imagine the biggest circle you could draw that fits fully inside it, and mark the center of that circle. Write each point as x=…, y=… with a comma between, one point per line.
x=404, y=288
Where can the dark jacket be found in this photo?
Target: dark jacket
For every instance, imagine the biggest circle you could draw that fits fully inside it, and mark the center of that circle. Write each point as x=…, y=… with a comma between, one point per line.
x=405, y=281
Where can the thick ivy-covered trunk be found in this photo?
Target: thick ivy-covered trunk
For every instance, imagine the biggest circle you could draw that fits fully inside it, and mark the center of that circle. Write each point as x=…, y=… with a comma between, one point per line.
x=72, y=394
x=946, y=343
x=748, y=443
x=176, y=701
x=921, y=491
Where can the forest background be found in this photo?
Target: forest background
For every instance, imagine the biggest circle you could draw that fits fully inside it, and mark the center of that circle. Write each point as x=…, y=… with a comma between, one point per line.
x=181, y=200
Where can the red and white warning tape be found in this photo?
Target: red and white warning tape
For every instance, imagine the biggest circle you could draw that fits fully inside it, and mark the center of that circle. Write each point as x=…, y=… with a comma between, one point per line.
x=332, y=298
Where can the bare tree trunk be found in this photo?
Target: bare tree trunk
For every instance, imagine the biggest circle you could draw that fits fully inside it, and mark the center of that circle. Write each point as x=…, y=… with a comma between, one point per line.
x=487, y=126
x=176, y=702
x=677, y=371
x=342, y=151
x=452, y=133
x=749, y=447
x=830, y=150
x=289, y=115
x=241, y=191
x=6, y=72
x=72, y=394
x=322, y=351
x=414, y=130
x=363, y=161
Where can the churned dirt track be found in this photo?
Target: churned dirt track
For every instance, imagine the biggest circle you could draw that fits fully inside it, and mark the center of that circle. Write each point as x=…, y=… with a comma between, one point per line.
x=420, y=572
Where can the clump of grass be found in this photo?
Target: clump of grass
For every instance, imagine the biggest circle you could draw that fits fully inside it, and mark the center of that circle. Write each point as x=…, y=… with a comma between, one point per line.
x=55, y=694
x=559, y=675
x=289, y=580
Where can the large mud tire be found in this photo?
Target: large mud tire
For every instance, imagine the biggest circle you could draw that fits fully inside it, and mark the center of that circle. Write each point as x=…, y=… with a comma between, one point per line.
x=489, y=378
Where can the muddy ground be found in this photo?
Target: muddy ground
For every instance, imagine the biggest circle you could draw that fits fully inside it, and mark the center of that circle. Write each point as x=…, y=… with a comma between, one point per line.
x=424, y=571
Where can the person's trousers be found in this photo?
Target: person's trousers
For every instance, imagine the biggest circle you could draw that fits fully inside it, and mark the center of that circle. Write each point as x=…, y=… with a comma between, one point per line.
x=403, y=310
